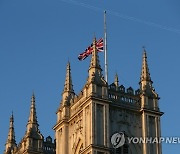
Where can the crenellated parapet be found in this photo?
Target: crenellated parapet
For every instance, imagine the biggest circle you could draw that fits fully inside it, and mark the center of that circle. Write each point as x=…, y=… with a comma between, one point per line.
x=124, y=96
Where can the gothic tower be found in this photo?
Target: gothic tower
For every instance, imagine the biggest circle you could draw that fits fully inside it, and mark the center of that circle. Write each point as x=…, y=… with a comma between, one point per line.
x=63, y=114
x=82, y=120
x=87, y=121
x=32, y=141
x=149, y=110
x=11, y=142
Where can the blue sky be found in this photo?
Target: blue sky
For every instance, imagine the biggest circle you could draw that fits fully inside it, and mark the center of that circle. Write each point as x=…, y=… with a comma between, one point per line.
x=38, y=37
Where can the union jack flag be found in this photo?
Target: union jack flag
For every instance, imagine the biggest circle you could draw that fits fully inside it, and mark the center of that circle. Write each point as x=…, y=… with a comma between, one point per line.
x=99, y=45
x=88, y=51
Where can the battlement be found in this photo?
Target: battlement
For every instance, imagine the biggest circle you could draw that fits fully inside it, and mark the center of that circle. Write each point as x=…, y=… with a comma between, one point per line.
x=49, y=147
x=119, y=94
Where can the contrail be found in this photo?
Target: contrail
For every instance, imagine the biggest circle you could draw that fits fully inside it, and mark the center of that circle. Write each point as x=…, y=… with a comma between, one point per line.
x=122, y=16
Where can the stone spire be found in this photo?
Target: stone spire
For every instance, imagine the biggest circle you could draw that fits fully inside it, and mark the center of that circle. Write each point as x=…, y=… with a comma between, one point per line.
x=33, y=139
x=116, y=80
x=95, y=57
x=145, y=75
x=95, y=68
x=32, y=124
x=68, y=91
x=68, y=87
x=11, y=142
x=145, y=79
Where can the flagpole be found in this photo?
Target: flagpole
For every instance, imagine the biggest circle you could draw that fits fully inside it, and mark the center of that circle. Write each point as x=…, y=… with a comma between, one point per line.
x=105, y=49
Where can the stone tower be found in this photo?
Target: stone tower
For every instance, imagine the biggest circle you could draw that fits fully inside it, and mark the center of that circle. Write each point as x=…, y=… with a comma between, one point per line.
x=86, y=122
x=33, y=141
x=11, y=142
x=149, y=110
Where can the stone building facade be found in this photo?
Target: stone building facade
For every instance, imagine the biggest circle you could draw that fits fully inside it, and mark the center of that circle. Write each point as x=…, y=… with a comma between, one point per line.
x=87, y=121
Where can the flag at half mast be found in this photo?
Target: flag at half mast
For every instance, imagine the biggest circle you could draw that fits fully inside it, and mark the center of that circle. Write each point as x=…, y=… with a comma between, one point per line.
x=88, y=51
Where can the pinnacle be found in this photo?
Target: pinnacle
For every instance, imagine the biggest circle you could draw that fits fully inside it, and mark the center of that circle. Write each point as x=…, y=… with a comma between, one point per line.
x=95, y=57
x=11, y=142
x=116, y=80
x=32, y=122
x=145, y=75
x=95, y=64
x=11, y=120
x=68, y=82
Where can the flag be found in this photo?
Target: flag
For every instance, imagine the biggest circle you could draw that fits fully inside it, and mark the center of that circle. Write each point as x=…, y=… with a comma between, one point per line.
x=99, y=45
x=88, y=51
